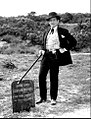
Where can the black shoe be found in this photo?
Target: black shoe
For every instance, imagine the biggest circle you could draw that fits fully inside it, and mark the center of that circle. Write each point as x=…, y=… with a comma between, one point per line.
x=41, y=101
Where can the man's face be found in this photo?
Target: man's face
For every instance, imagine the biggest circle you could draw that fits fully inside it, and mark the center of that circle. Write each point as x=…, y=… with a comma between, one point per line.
x=53, y=22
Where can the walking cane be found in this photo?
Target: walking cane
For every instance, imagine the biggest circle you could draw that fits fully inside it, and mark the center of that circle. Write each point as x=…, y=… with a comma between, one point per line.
x=29, y=69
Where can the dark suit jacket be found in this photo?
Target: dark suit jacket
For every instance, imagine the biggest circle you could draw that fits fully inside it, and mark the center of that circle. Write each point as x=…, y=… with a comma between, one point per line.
x=67, y=42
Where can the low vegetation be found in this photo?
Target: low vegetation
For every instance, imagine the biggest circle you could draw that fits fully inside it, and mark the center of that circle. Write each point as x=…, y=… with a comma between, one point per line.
x=20, y=33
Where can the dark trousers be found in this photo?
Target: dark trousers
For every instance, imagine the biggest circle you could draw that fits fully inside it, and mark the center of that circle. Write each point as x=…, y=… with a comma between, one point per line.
x=48, y=63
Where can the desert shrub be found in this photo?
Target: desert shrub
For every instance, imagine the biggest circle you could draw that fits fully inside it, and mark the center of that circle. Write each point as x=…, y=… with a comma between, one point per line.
x=82, y=33
x=6, y=50
x=8, y=64
x=19, y=49
x=11, y=39
x=31, y=37
x=67, y=17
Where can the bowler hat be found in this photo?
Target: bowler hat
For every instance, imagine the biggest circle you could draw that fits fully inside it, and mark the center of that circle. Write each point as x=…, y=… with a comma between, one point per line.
x=53, y=15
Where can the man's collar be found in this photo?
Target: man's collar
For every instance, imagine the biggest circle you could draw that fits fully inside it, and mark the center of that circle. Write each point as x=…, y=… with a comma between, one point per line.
x=55, y=28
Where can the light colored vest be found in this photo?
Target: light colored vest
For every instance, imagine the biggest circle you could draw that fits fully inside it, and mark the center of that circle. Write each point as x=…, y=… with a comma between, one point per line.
x=52, y=42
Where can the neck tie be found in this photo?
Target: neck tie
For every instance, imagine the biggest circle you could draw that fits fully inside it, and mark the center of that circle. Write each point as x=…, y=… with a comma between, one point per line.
x=52, y=30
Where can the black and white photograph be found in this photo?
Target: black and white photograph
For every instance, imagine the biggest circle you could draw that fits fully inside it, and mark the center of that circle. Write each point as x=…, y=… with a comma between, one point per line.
x=45, y=58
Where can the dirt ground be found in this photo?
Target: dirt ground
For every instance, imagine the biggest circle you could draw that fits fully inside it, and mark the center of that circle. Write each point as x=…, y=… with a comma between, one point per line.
x=74, y=87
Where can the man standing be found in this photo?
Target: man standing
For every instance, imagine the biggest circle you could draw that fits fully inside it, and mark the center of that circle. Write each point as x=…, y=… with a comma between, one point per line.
x=57, y=43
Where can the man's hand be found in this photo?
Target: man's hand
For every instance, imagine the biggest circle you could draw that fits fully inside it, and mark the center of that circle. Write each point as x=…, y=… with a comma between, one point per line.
x=62, y=50
x=41, y=52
